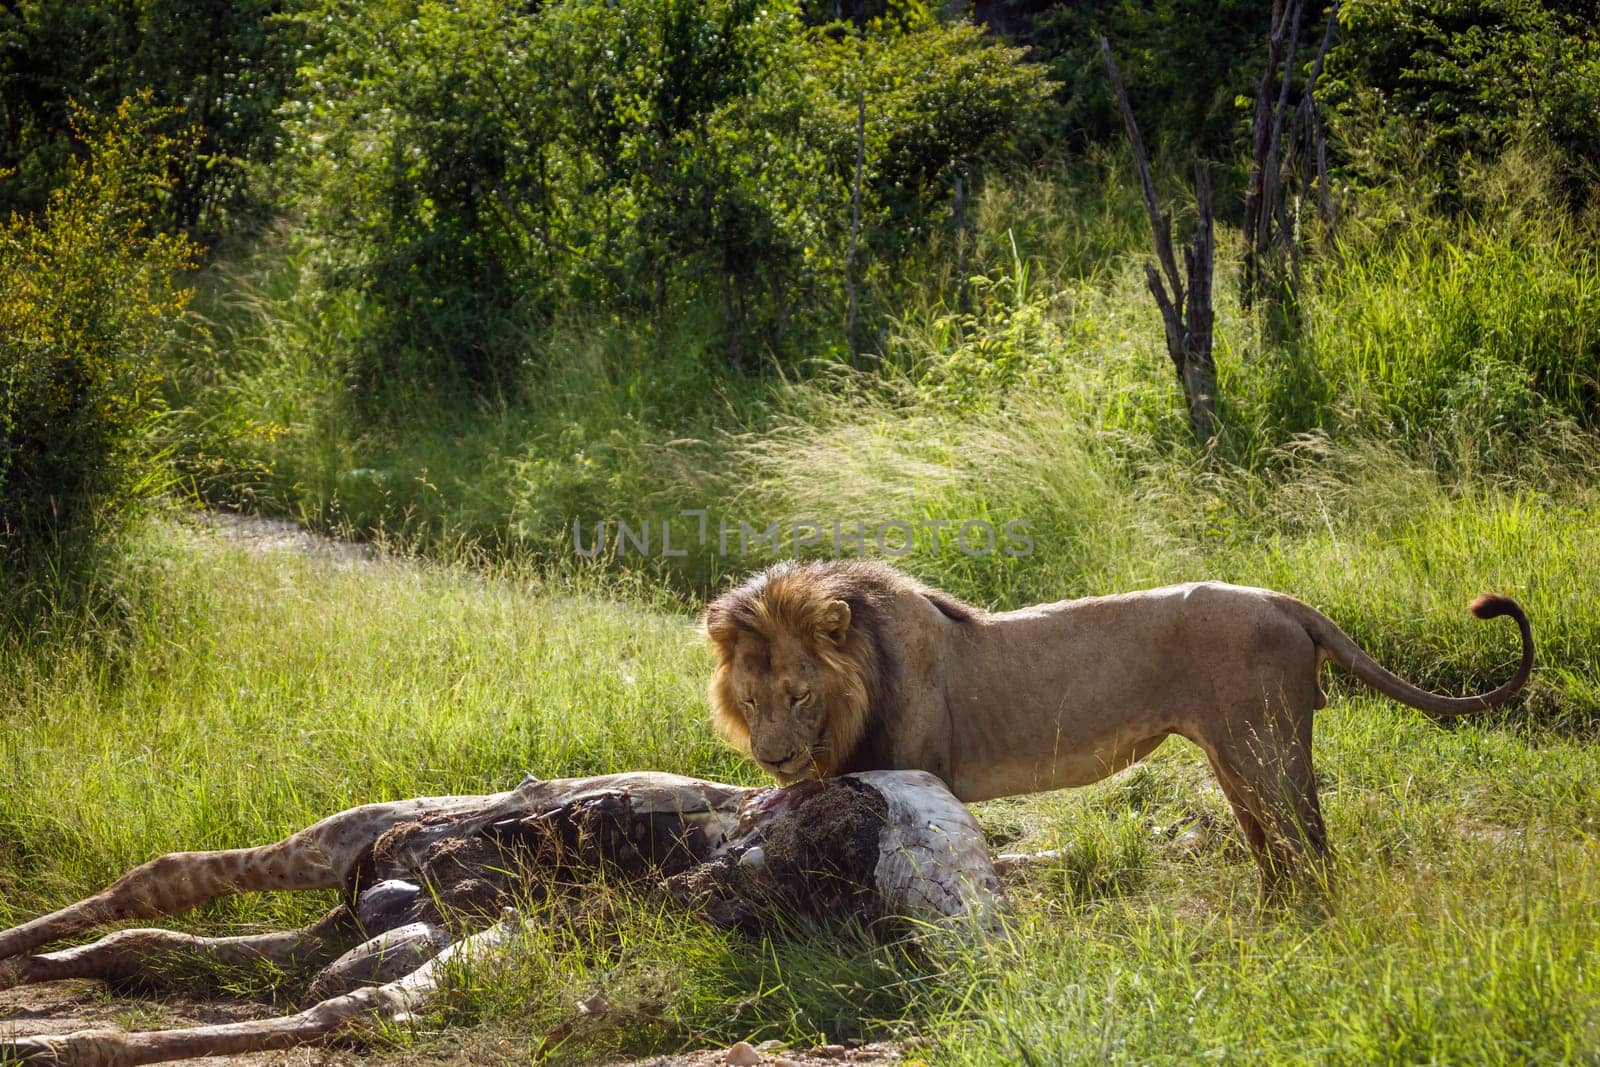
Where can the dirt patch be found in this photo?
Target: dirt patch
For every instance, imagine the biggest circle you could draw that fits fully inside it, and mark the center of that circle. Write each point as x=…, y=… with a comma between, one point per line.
x=770, y=1054
x=279, y=535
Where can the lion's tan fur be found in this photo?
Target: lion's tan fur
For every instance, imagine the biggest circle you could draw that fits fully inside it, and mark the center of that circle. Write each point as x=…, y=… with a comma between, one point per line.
x=1043, y=697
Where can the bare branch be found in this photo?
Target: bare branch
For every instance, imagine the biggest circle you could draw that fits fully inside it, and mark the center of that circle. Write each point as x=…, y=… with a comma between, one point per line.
x=855, y=221
x=1270, y=234
x=1160, y=225
x=1186, y=314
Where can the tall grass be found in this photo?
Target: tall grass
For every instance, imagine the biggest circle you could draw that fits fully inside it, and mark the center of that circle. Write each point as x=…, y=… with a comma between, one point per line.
x=1488, y=325
x=1425, y=434
x=1456, y=350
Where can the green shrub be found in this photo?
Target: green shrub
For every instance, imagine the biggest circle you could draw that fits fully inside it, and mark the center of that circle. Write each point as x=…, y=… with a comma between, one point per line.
x=88, y=301
x=942, y=102
x=1419, y=86
x=481, y=169
x=1185, y=62
x=221, y=65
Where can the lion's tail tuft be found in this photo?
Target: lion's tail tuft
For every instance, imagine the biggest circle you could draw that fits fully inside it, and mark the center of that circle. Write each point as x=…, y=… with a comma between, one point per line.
x=1493, y=606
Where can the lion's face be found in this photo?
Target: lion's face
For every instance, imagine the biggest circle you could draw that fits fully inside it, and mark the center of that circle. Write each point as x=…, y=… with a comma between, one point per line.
x=788, y=689
x=780, y=689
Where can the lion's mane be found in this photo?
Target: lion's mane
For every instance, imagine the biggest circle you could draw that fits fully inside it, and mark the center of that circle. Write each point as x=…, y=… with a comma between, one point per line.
x=789, y=598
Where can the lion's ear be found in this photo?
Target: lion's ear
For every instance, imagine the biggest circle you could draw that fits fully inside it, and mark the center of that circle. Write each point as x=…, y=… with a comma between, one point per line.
x=718, y=626
x=833, y=622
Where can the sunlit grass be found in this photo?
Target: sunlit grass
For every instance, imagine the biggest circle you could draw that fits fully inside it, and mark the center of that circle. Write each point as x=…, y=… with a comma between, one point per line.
x=1459, y=350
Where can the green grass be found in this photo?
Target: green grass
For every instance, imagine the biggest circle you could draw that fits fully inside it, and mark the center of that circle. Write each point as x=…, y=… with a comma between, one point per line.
x=255, y=693
x=258, y=691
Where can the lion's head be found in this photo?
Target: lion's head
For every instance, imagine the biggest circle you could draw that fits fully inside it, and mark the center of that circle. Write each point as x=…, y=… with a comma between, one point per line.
x=802, y=660
x=797, y=665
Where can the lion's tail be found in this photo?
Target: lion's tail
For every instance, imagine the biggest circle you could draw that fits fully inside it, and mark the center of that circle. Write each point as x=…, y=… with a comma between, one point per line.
x=1338, y=646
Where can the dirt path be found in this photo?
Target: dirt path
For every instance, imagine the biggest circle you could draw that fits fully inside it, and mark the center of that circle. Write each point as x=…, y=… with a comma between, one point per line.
x=280, y=535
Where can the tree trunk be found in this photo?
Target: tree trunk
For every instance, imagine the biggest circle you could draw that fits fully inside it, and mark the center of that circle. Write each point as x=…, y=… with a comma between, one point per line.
x=1186, y=313
x=1271, y=236
x=855, y=227
x=1198, y=368
x=961, y=244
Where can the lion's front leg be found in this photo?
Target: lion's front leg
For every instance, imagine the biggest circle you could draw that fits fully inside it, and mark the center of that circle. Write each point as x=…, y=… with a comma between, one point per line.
x=922, y=746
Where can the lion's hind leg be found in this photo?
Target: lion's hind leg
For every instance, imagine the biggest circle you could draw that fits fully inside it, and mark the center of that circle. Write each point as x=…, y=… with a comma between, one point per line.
x=1263, y=761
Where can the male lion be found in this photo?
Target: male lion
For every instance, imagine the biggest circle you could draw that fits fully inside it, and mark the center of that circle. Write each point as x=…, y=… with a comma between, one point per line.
x=830, y=667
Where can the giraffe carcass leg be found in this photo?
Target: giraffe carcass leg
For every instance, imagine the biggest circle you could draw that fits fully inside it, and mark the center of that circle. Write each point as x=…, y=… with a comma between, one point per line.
x=167, y=957
x=329, y=1018
x=318, y=857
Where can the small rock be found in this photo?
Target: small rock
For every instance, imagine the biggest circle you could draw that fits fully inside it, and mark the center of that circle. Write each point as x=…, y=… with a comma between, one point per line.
x=769, y=1044
x=784, y=1061
x=595, y=1005
x=742, y=1054
x=831, y=1052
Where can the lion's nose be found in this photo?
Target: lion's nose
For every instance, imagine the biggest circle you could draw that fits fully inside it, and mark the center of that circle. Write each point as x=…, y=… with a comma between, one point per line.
x=779, y=761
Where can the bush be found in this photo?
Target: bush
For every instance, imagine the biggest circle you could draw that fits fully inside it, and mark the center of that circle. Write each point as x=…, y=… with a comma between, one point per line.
x=480, y=169
x=942, y=102
x=88, y=301
x=1186, y=63
x=1424, y=85
x=221, y=65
